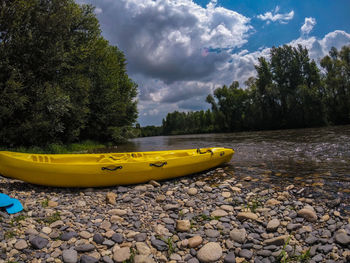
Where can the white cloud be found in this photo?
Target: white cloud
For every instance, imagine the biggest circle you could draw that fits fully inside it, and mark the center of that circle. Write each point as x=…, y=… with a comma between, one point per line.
x=308, y=25
x=178, y=52
x=319, y=48
x=171, y=40
x=275, y=16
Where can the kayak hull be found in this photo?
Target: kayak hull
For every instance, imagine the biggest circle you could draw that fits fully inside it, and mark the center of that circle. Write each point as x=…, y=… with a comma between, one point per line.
x=107, y=169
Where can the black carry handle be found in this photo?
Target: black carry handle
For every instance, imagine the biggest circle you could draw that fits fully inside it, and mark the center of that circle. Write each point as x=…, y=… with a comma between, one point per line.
x=112, y=169
x=158, y=165
x=207, y=151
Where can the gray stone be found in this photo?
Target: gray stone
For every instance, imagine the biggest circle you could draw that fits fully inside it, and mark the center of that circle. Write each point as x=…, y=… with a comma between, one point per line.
x=107, y=259
x=317, y=258
x=39, y=242
x=118, y=238
x=68, y=235
x=70, y=256
x=245, y=253
x=212, y=233
x=293, y=227
x=98, y=238
x=264, y=253
x=160, y=245
x=230, y=258
x=193, y=260
x=108, y=243
x=88, y=259
x=311, y=240
x=140, y=237
x=342, y=238
x=85, y=248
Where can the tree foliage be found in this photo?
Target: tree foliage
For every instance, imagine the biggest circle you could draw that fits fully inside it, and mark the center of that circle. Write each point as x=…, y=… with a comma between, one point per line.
x=289, y=91
x=60, y=81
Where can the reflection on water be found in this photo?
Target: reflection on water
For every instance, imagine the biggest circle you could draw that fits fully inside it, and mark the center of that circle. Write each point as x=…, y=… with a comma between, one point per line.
x=317, y=157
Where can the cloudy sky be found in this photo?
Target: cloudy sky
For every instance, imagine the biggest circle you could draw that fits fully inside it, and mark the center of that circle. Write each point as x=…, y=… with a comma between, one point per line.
x=179, y=51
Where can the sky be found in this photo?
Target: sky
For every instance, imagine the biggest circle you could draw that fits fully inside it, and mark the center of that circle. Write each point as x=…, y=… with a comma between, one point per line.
x=179, y=51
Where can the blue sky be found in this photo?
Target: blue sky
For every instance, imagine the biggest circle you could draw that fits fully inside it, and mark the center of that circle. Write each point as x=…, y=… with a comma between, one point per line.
x=179, y=51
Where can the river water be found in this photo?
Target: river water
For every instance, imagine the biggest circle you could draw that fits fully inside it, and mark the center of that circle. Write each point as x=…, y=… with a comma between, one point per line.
x=317, y=158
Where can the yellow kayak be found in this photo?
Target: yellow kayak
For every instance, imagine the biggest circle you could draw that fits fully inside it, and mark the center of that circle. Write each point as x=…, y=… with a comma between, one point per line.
x=106, y=169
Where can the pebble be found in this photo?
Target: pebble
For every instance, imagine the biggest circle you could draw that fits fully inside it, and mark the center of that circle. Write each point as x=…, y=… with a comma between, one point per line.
x=88, y=259
x=238, y=235
x=219, y=213
x=121, y=254
x=159, y=244
x=273, y=225
x=39, y=242
x=195, y=241
x=278, y=241
x=70, y=256
x=245, y=253
x=230, y=258
x=210, y=252
x=308, y=214
x=192, y=191
x=247, y=215
x=192, y=219
x=183, y=225
x=21, y=244
x=341, y=237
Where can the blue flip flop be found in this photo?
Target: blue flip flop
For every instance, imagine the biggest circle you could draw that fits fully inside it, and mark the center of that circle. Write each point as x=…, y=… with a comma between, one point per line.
x=15, y=207
x=5, y=200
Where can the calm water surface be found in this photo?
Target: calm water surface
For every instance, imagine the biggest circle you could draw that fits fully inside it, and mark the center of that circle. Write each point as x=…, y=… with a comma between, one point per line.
x=317, y=157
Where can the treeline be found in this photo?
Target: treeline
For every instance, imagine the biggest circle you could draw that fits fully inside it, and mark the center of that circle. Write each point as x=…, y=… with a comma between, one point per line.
x=289, y=91
x=60, y=80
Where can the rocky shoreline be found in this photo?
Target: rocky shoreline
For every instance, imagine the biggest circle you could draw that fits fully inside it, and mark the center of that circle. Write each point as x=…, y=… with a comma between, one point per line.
x=191, y=219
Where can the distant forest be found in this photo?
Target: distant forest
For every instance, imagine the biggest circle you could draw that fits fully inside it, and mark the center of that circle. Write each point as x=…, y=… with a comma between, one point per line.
x=60, y=80
x=289, y=91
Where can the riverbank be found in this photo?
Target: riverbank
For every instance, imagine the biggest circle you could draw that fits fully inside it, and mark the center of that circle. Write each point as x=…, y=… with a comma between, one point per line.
x=210, y=217
x=81, y=147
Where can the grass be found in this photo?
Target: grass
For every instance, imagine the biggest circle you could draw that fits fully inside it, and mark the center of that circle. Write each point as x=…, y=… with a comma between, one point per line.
x=49, y=220
x=285, y=258
x=53, y=218
x=58, y=148
x=9, y=234
x=45, y=203
x=171, y=246
x=16, y=219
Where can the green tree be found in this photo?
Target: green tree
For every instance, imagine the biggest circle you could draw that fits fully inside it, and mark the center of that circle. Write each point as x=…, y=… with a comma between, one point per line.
x=60, y=80
x=113, y=108
x=231, y=105
x=337, y=85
